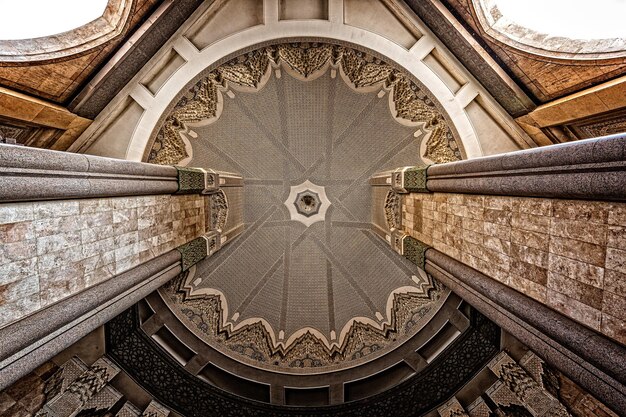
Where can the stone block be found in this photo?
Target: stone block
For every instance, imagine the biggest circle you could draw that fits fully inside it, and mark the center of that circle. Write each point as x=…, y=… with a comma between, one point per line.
x=473, y=225
x=614, y=328
x=616, y=260
x=617, y=214
x=497, y=230
x=17, y=251
x=16, y=232
x=536, y=240
x=57, y=242
x=499, y=202
x=530, y=222
x=501, y=217
x=614, y=305
x=534, y=206
x=530, y=255
x=575, y=249
x=579, y=230
x=529, y=272
x=16, y=212
x=616, y=237
x=593, y=212
x=95, y=205
x=580, y=271
x=528, y=287
x=586, y=294
x=48, y=209
x=615, y=282
x=574, y=309
x=9, y=272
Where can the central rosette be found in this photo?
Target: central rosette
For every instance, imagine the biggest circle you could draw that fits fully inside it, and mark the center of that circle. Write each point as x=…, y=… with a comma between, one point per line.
x=307, y=203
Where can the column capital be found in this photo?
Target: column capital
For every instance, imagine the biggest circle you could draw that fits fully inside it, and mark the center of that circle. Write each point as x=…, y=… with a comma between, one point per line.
x=411, y=248
x=199, y=248
x=410, y=179
x=197, y=180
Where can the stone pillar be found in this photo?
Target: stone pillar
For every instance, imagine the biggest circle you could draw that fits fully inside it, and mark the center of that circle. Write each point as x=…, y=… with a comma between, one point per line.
x=535, y=241
x=114, y=231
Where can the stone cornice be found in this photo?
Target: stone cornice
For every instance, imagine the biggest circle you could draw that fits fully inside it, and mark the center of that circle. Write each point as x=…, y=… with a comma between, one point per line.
x=592, y=169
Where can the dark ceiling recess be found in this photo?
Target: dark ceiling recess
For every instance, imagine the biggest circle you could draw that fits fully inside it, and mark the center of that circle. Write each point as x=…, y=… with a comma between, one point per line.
x=164, y=378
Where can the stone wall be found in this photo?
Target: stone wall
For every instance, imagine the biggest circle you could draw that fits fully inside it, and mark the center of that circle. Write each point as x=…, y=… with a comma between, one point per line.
x=54, y=249
x=568, y=254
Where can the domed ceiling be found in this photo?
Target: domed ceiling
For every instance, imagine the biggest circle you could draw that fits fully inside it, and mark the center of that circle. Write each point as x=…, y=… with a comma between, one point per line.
x=307, y=290
x=307, y=287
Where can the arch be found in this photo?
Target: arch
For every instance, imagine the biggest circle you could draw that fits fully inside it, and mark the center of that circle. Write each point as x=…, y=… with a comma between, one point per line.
x=272, y=32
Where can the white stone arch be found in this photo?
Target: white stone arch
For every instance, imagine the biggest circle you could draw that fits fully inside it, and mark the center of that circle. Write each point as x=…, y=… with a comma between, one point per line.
x=411, y=58
x=198, y=61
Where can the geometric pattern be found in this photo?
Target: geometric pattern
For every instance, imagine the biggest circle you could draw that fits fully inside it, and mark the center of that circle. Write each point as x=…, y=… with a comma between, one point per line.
x=282, y=116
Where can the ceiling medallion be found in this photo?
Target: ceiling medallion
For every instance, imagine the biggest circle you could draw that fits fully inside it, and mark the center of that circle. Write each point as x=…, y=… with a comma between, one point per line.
x=307, y=203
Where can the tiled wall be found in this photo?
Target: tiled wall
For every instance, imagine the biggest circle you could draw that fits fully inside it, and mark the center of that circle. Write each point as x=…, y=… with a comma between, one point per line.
x=50, y=250
x=567, y=254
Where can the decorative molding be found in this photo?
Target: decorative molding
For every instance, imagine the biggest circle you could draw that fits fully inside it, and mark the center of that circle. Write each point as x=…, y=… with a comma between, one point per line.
x=452, y=408
x=414, y=251
x=410, y=179
x=78, y=392
x=207, y=316
x=202, y=103
x=218, y=211
x=531, y=395
x=191, y=180
x=393, y=210
x=318, y=203
x=193, y=252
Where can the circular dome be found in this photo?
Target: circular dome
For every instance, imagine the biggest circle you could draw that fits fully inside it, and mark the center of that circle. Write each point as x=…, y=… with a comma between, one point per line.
x=290, y=294
x=558, y=28
x=51, y=30
x=308, y=290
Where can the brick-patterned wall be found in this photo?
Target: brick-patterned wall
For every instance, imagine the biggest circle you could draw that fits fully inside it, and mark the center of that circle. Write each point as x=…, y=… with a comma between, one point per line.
x=567, y=254
x=53, y=249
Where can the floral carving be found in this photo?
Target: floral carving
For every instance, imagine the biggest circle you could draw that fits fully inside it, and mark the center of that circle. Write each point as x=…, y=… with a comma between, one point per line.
x=204, y=313
x=202, y=101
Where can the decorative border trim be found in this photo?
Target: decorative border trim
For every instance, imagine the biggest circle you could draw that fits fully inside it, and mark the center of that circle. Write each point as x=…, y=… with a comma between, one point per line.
x=193, y=252
x=412, y=104
x=410, y=179
x=415, y=251
x=191, y=180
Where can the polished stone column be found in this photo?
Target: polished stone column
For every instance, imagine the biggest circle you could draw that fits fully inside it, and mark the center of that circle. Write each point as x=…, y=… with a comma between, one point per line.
x=592, y=169
x=514, y=236
x=114, y=231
